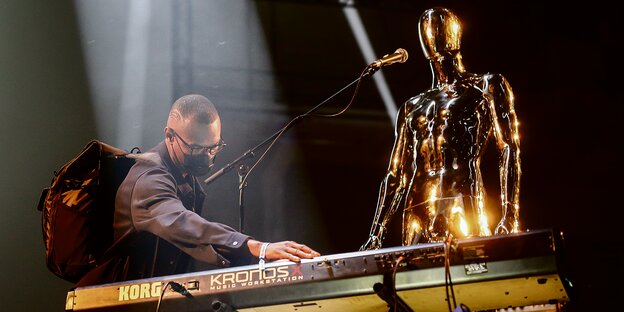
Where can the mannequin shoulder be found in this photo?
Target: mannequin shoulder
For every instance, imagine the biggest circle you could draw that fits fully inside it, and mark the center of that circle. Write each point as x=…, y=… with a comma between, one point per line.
x=494, y=78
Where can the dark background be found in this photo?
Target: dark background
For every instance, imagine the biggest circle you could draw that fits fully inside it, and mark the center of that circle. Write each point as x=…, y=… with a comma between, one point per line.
x=263, y=62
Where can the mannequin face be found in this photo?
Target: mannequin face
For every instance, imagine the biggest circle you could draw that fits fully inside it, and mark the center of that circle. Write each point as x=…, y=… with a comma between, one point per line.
x=440, y=33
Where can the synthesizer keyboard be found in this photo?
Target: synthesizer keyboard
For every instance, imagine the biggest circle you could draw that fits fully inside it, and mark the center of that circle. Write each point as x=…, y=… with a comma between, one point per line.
x=493, y=272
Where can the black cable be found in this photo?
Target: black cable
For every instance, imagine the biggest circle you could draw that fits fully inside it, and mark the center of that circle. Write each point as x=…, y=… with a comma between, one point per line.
x=394, y=271
x=162, y=293
x=448, y=283
x=367, y=70
x=177, y=287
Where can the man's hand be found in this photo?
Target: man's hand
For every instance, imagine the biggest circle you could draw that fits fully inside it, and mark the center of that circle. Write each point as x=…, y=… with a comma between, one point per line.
x=285, y=250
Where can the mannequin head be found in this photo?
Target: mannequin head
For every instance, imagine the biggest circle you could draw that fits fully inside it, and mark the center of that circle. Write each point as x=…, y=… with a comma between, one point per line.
x=440, y=33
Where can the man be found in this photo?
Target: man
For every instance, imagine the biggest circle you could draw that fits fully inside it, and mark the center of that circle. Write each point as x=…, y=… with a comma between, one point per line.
x=157, y=221
x=434, y=176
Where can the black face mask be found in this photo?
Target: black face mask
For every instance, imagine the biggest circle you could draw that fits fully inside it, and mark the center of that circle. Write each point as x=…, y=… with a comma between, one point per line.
x=198, y=165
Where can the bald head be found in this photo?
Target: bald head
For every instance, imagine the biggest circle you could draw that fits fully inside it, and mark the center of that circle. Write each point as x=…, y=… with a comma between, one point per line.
x=194, y=108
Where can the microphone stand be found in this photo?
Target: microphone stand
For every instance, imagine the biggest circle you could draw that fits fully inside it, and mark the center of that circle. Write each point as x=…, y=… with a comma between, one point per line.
x=244, y=169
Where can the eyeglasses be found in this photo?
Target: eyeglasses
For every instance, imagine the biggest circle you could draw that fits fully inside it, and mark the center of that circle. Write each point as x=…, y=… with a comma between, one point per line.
x=199, y=150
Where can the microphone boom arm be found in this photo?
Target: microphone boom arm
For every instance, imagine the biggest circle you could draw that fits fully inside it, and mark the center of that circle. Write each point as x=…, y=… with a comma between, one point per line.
x=250, y=153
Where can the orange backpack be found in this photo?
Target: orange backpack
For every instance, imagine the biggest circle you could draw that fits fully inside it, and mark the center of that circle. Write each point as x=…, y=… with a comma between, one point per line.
x=78, y=207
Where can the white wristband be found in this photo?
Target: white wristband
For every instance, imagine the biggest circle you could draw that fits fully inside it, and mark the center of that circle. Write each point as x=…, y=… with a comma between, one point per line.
x=263, y=255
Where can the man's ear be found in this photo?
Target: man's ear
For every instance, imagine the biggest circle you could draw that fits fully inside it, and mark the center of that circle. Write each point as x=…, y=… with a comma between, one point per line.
x=169, y=133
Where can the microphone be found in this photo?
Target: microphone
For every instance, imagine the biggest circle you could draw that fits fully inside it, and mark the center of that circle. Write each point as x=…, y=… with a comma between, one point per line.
x=400, y=55
x=214, y=175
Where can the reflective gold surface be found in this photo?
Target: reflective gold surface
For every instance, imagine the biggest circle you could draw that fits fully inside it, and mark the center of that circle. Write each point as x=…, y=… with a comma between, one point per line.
x=434, y=176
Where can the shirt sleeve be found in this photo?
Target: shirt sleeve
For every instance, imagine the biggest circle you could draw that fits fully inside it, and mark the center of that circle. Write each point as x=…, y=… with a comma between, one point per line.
x=156, y=208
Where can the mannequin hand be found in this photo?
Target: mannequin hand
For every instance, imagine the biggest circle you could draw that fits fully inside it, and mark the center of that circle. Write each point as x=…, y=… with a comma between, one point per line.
x=506, y=226
x=372, y=243
x=284, y=250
